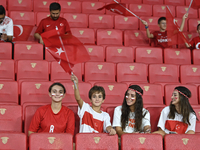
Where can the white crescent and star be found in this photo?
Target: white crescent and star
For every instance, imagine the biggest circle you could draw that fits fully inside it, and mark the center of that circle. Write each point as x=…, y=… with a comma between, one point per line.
x=21, y=29
x=59, y=51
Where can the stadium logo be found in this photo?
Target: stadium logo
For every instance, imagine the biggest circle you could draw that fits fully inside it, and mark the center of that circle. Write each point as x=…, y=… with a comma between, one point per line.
x=1, y=86
x=33, y=65
x=185, y=141
x=2, y=111
x=4, y=139
x=142, y=140
x=37, y=85
x=97, y=139
x=51, y=140
x=110, y=87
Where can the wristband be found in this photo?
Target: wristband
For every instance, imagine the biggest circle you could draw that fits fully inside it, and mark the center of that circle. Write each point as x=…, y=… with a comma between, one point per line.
x=146, y=27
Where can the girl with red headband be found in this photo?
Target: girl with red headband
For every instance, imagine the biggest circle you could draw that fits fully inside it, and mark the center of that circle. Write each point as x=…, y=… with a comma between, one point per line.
x=131, y=117
x=178, y=117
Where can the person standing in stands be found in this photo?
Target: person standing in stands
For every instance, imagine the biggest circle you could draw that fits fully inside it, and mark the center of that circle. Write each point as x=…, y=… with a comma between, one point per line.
x=195, y=42
x=6, y=26
x=53, y=118
x=160, y=37
x=51, y=22
x=178, y=117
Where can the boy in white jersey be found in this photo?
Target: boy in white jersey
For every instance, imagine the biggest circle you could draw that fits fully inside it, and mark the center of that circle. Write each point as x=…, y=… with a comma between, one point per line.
x=92, y=119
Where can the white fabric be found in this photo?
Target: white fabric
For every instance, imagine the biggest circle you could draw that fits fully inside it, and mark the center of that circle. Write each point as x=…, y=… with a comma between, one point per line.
x=130, y=126
x=103, y=117
x=7, y=26
x=178, y=117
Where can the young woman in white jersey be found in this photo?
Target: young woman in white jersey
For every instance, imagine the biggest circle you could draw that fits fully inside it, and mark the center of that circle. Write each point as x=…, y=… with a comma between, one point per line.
x=178, y=117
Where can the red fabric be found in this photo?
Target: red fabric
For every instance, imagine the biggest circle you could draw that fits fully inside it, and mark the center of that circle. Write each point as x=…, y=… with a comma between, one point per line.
x=48, y=24
x=195, y=43
x=176, y=126
x=93, y=123
x=173, y=33
x=117, y=8
x=196, y=4
x=22, y=32
x=72, y=53
x=44, y=118
x=160, y=39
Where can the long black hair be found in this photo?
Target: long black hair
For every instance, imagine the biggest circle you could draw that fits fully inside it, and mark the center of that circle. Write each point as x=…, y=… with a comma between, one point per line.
x=138, y=106
x=184, y=105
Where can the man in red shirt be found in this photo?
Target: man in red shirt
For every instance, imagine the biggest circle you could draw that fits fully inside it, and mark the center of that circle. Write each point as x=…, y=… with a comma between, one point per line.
x=195, y=42
x=160, y=37
x=51, y=22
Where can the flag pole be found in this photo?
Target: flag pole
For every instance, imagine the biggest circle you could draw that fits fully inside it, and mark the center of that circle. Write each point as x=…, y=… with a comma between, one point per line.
x=190, y=6
x=65, y=54
x=128, y=10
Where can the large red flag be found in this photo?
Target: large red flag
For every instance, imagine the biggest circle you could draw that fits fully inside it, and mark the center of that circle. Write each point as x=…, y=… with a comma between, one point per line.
x=174, y=35
x=119, y=8
x=196, y=4
x=66, y=49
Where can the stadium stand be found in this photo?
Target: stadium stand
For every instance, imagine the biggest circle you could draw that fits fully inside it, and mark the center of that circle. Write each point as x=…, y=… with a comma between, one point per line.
x=76, y=20
x=141, y=10
x=7, y=69
x=70, y=6
x=91, y=7
x=97, y=53
x=160, y=10
x=5, y=51
x=16, y=5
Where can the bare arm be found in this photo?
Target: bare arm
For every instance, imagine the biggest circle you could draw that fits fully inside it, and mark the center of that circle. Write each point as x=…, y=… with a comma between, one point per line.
x=30, y=132
x=119, y=131
x=38, y=36
x=110, y=130
x=160, y=131
x=76, y=91
x=147, y=129
x=190, y=132
x=183, y=21
x=149, y=35
x=6, y=38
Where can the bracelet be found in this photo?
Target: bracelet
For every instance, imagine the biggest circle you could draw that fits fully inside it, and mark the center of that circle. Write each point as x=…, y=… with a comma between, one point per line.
x=146, y=27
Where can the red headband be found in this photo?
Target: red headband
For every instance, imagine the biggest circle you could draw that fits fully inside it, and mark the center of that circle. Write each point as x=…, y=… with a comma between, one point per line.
x=182, y=94
x=135, y=91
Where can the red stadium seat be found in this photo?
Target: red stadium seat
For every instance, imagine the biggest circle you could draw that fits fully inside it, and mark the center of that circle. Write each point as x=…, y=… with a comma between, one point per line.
x=85, y=35
x=163, y=73
x=169, y=88
x=4, y=4
x=35, y=92
x=100, y=71
x=125, y=23
x=7, y=70
x=152, y=94
x=148, y=55
x=189, y=36
x=40, y=16
x=135, y=38
x=192, y=24
x=97, y=53
x=101, y=21
x=40, y=141
x=28, y=51
x=154, y=115
x=32, y=69
x=13, y=141
x=22, y=17
x=25, y=5
x=42, y=5
x=196, y=56
x=6, y=50
x=151, y=2
x=174, y=2
x=197, y=111
x=152, y=22
x=132, y=72
x=48, y=56
x=77, y=20
x=10, y=118
x=91, y=7
x=141, y=10
x=70, y=6
x=58, y=73
x=96, y=141
x=8, y=92
x=114, y=92
x=183, y=141
x=118, y=54
x=105, y=1
x=141, y=141
x=181, y=10
x=177, y=56
x=160, y=10
x=109, y=37
x=131, y=1
x=190, y=74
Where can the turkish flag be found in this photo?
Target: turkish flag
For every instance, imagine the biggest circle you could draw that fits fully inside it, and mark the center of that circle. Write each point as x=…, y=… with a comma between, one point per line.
x=173, y=33
x=21, y=32
x=176, y=126
x=196, y=4
x=65, y=48
x=117, y=8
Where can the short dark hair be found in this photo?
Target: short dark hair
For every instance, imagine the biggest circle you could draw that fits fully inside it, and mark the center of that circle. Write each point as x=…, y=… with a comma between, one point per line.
x=2, y=10
x=59, y=84
x=161, y=19
x=198, y=26
x=98, y=89
x=54, y=6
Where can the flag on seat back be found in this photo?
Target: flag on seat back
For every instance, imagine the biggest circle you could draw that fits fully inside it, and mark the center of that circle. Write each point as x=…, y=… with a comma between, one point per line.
x=65, y=48
x=22, y=32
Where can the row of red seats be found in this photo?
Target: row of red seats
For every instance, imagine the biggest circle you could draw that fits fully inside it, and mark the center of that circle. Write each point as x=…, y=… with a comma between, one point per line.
x=63, y=141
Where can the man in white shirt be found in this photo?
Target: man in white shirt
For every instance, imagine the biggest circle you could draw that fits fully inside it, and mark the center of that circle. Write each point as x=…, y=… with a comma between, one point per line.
x=6, y=26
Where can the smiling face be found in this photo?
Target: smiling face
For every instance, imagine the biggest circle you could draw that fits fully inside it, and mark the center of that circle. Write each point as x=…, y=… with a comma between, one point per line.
x=163, y=25
x=57, y=93
x=130, y=97
x=175, y=97
x=97, y=99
